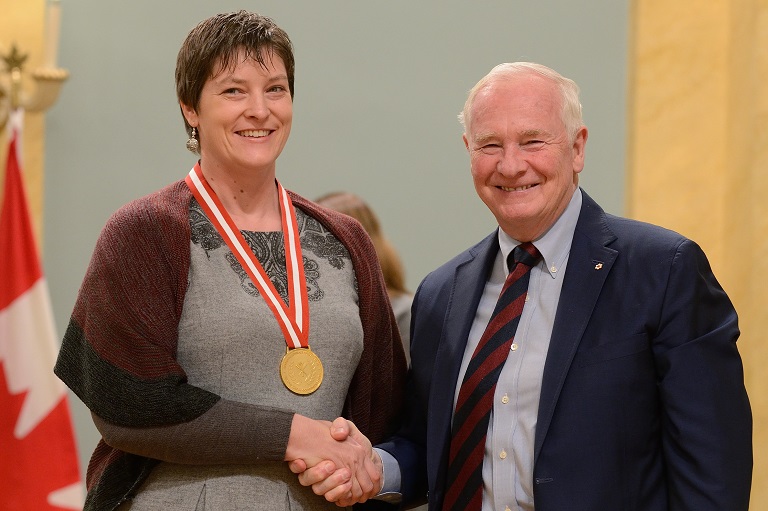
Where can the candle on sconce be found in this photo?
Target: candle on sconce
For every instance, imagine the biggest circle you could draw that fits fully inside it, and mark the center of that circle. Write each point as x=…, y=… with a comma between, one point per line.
x=53, y=23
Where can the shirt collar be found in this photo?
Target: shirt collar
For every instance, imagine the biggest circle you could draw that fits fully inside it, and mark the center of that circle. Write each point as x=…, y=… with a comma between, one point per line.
x=555, y=244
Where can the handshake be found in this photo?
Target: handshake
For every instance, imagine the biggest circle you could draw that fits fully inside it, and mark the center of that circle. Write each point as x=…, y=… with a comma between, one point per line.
x=335, y=459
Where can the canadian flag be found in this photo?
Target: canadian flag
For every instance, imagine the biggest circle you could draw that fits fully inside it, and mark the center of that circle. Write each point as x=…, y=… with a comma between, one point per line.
x=38, y=459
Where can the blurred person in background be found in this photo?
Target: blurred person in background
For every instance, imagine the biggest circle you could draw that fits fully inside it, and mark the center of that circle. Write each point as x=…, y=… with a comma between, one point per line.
x=391, y=265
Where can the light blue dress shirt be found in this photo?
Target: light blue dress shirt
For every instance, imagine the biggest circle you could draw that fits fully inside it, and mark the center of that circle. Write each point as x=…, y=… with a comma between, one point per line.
x=509, y=448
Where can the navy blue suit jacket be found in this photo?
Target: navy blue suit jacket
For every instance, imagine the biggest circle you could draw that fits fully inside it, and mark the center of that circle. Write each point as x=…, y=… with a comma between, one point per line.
x=643, y=405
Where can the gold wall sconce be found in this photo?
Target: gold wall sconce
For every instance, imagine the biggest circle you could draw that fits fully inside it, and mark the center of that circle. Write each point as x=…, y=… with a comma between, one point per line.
x=47, y=79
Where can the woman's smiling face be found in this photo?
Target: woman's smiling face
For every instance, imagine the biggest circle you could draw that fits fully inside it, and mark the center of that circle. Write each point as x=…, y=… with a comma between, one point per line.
x=244, y=115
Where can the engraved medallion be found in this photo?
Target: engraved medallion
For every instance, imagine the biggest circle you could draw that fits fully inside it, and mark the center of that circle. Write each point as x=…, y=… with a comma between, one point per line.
x=301, y=371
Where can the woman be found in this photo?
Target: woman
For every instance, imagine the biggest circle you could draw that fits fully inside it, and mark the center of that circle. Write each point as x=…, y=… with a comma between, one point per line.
x=394, y=275
x=223, y=321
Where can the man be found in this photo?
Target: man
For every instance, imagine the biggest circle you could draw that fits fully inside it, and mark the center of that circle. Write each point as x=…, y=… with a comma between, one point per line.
x=621, y=387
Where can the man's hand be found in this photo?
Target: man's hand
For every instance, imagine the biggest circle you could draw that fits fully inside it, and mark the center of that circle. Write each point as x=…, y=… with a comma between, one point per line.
x=337, y=484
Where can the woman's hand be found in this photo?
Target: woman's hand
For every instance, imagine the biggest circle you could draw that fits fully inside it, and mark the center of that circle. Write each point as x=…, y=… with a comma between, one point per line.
x=337, y=483
x=344, y=468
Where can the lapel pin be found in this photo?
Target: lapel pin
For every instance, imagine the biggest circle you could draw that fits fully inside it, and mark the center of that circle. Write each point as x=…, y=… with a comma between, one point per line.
x=599, y=266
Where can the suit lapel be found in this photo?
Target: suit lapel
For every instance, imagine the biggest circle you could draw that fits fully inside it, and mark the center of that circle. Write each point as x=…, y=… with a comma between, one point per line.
x=468, y=284
x=589, y=264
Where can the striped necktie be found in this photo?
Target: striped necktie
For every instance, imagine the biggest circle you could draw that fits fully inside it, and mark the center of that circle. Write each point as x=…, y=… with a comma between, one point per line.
x=473, y=407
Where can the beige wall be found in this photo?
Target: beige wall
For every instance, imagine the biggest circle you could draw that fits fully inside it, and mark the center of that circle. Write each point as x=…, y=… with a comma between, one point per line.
x=23, y=23
x=698, y=156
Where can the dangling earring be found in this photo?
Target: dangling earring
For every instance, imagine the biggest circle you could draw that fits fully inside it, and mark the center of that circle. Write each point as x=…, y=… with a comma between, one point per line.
x=192, y=144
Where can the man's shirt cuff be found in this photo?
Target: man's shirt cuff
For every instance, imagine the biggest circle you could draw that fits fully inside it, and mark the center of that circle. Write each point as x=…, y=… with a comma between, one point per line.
x=390, y=488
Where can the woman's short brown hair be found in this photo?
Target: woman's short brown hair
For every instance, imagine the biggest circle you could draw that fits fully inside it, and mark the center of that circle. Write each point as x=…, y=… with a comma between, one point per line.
x=216, y=42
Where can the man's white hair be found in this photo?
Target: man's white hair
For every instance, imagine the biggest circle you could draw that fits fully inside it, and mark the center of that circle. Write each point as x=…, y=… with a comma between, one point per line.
x=569, y=92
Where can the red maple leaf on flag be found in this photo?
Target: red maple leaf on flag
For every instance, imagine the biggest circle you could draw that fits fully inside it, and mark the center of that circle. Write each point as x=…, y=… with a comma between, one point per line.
x=37, y=453
x=38, y=460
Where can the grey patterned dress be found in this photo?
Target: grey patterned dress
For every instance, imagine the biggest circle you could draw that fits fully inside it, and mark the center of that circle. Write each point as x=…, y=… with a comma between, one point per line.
x=231, y=344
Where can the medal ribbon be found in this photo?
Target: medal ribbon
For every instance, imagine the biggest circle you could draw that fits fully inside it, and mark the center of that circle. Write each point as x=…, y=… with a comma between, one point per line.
x=293, y=319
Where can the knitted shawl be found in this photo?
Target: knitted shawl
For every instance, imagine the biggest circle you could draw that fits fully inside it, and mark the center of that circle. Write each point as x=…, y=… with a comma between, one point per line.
x=118, y=354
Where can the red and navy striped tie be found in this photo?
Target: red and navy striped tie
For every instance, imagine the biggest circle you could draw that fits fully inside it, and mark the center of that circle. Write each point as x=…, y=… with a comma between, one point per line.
x=464, y=489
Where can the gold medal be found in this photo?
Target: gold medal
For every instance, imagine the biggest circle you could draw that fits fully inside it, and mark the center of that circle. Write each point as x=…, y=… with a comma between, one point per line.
x=301, y=370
